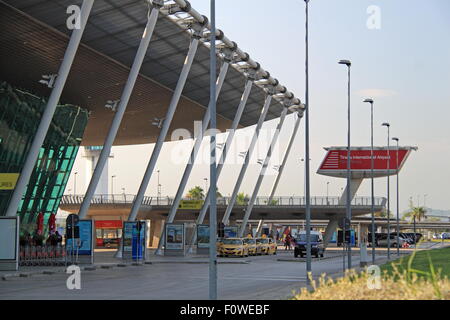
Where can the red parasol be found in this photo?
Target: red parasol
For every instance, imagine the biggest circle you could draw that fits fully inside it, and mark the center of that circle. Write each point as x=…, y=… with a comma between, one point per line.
x=40, y=223
x=52, y=223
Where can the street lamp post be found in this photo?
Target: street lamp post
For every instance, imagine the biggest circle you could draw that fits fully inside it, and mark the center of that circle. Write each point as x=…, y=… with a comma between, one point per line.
x=112, y=184
x=372, y=209
x=213, y=161
x=75, y=183
x=398, y=210
x=386, y=124
x=328, y=183
x=349, y=210
x=307, y=160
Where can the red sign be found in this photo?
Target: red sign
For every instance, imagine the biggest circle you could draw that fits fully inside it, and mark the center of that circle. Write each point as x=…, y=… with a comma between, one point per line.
x=361, y=159
x=385, y=161
x=108, y=224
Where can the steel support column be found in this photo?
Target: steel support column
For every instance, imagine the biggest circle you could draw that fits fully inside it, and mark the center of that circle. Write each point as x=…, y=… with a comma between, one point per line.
x=49, y=111
x=250, y=205
x=126, y=94
x=165, y=128
x=286, y=155
x=226, y=147
x=194, y=153
x=261, y=119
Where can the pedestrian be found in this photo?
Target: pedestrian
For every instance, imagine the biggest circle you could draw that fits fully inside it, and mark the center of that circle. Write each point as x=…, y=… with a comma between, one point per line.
x=287, y=242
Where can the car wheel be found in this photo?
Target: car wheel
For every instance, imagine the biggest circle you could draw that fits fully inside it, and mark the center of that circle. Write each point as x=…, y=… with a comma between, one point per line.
x=295, y=253
x=321, y=255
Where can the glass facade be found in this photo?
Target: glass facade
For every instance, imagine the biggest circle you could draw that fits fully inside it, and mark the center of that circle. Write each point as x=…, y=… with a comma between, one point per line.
x=20, y=113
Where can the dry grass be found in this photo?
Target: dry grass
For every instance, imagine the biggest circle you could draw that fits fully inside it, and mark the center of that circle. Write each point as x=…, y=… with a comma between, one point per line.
x=398, y=284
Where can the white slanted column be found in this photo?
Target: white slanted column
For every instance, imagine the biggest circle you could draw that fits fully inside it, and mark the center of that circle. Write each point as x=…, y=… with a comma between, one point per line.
x=50, y=109
x=193, y=156
x=198, y=30
x=226, y=147
x=237, y=186
x=121, y=108
x=251, y=203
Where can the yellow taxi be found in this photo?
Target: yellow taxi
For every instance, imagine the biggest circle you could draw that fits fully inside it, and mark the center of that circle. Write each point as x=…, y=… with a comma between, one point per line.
x=268, y=245
x=253, y=248
x=233, y=247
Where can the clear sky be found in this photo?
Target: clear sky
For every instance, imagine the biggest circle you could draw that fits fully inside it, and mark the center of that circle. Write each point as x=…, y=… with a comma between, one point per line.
x=404, y=65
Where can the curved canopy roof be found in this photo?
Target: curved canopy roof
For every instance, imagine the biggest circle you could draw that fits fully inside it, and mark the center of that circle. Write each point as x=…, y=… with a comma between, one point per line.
x=34, y=37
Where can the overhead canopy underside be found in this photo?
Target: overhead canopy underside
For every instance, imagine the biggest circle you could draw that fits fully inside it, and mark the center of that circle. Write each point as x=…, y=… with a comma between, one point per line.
x=33, y=40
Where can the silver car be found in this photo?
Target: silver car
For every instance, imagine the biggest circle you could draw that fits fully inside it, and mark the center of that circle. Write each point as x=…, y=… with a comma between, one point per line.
x=383, y=241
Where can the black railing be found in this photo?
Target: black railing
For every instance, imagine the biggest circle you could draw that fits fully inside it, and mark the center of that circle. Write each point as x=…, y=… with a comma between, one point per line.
x=260, y=201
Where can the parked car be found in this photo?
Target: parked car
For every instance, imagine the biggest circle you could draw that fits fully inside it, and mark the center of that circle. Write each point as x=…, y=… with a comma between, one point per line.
x=317, y=247
x=445, y=235
x=272, y=246
x=410, y=235
x=253, y=248
x=264, y=245
x=233, y=247
x=383, y=241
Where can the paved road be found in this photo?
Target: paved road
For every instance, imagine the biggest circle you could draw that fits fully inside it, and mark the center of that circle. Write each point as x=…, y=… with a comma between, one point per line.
x=262, y=278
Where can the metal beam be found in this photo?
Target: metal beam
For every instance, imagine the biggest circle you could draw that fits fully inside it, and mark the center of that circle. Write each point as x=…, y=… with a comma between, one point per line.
x=165, y=128
x=193, y=156
x=226, y=147
x=286, y=155
x=250, y=205
x=126, y=94
x=49, y=111
x=261, y=119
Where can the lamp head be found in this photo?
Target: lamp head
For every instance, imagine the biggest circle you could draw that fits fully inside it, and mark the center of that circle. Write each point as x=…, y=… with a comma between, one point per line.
x=346, y=62
x=386, y=124
x=368, y=100
x=396, y=139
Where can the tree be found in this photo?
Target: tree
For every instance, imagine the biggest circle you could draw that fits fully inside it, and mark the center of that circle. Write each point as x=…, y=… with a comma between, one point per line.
x=196, y=193
x=415, y=213
x=242, y=199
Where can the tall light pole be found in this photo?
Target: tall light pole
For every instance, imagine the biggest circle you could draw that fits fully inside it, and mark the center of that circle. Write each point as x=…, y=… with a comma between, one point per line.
x=158, y=188
x=372, y=207
x=75, y=183
x=349, y=209
x=398, y=206
x=206, y=183
x=386, y=124
x=112, y=184
x=213, y=167
x=307, y=159
x=328, y=183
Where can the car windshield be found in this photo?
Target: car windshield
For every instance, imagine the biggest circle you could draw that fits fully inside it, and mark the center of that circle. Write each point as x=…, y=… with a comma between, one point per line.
x=262, y=241
x=313, y=238
x=232, y=241
x=250, y=241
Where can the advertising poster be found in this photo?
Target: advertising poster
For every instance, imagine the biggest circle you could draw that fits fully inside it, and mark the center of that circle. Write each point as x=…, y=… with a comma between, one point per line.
x=128, y=235
x=203, y=236
x=230, y=232
x=84, y=243
x=174, y=237
x=138, y=240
